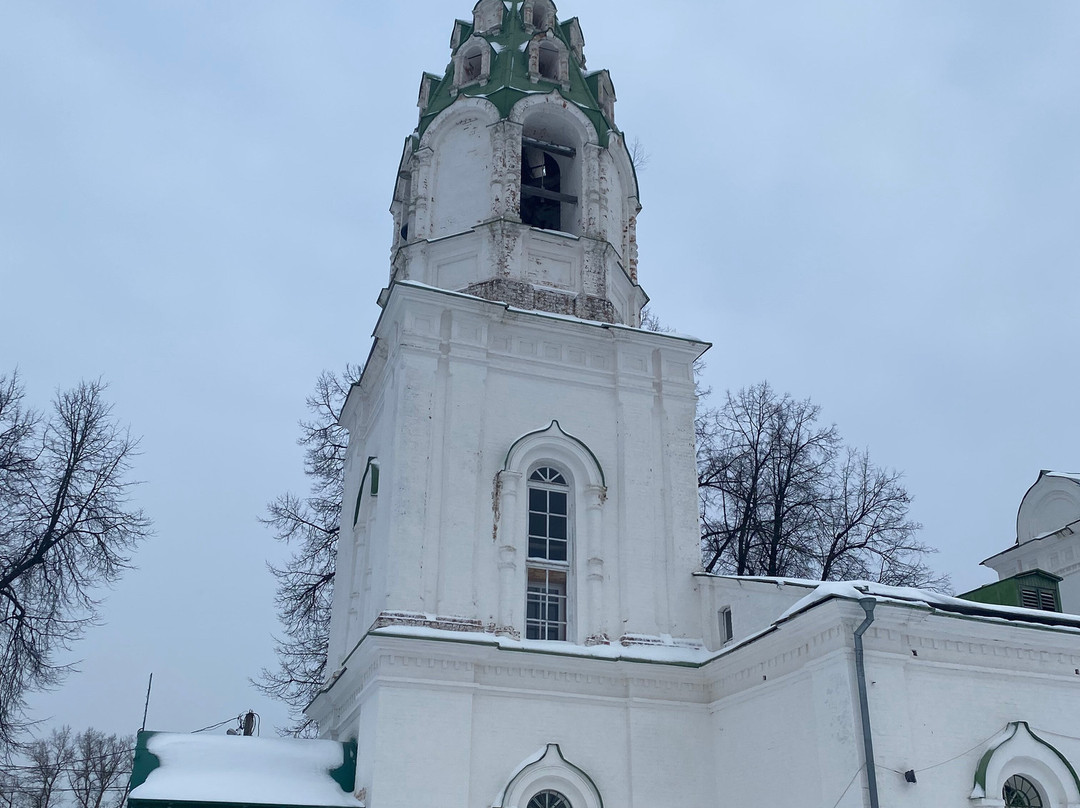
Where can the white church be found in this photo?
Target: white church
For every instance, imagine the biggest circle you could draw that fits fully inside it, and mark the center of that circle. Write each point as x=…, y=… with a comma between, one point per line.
x=520, y=617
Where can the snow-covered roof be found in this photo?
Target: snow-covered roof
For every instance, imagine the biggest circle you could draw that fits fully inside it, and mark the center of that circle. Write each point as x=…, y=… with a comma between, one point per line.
x=1067, y=475
x=173, y=768
x=820, y=591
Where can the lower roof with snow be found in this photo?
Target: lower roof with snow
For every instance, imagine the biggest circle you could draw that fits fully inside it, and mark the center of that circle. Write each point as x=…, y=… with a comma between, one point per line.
x=173, y=770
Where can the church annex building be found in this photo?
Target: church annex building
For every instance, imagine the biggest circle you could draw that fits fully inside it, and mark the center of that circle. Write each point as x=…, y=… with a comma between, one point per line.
x=520, y=617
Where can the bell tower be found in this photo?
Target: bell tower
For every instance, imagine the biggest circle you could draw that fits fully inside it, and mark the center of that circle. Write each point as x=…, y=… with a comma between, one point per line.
x=516, y=185
x=520, y=484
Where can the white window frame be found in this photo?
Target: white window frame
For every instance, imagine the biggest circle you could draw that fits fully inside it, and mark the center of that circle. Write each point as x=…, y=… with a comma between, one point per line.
x=544, y=564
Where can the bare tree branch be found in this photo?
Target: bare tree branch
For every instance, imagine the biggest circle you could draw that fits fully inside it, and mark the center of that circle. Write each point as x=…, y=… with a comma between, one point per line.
x=780, y=496
x=310, y=525
x=67, y=527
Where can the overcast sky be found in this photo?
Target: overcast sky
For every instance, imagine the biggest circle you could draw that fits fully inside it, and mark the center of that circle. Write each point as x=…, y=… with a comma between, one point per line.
x=874, y=205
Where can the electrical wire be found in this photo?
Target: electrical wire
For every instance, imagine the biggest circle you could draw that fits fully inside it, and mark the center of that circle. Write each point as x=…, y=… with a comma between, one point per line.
x=1059, y=735
x=850, y=783
x=972, y=749
x=215, y=726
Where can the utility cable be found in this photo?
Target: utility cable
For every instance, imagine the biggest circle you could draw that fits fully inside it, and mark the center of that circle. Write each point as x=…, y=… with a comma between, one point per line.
x=215, y=726
x=850, y=783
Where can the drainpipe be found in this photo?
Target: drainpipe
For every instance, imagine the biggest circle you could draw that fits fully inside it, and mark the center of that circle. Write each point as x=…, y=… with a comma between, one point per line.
x=864, y=706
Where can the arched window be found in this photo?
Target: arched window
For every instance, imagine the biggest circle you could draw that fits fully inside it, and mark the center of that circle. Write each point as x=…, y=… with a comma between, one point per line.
x=551, y=799
x=548, y=564
x=548, y=66
x=472, y=63
x=549, y=60
x=1019, y=792
x=488, y=16
x=540, y=14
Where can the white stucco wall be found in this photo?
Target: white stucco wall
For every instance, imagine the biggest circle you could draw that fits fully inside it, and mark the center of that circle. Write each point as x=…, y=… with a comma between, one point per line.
x=773, y=721
x=462, y=380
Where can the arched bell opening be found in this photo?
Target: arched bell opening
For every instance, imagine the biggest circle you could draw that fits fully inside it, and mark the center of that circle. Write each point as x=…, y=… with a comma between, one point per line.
x=550, y=172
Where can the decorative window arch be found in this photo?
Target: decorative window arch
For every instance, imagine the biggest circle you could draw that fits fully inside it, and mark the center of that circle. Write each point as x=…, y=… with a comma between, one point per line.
x=1022, y=766
x=539, y=14
x=549, y=773
x=472, y=62
x=488, y=16
x=549, y=60
x=562, y=448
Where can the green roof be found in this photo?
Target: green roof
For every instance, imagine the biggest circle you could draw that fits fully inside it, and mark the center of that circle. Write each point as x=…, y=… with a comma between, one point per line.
x=508, y=81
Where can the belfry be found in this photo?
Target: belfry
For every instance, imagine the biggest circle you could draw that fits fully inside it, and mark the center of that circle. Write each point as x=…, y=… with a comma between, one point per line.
x=520, y=488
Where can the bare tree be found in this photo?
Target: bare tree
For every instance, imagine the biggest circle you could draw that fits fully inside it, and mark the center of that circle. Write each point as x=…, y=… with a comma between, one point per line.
x=67, y=526
x=99, y=771
x=310, y=525
x=639, y=155
x=48, y=759
x=863, y=530
x=780, y=497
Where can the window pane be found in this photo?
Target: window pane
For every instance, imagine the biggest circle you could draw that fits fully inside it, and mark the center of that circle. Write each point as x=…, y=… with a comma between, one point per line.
x=545, y=605
x=538, y=499
x=556, y=550
x=557, y=527
x=538, y=524
x=537, y=548
x=557, y=502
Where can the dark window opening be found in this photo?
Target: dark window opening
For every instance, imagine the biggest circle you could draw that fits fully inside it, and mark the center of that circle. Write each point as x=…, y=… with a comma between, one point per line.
x=543, y=15
x=727, y=634
x=473, y=66
x=549, y=62
x=542, y=197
